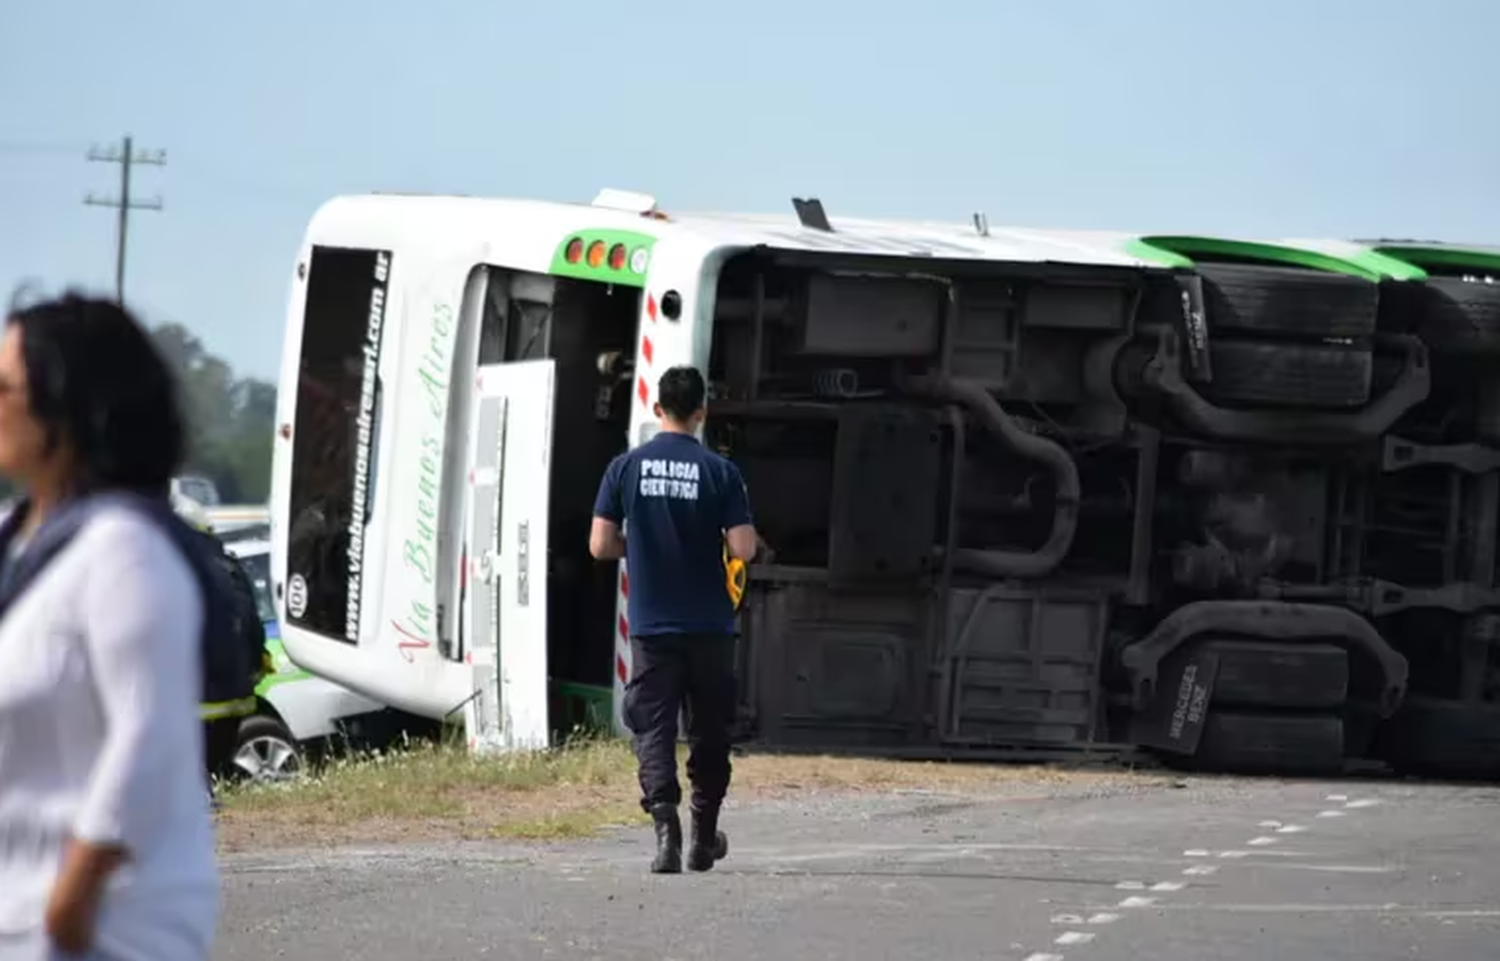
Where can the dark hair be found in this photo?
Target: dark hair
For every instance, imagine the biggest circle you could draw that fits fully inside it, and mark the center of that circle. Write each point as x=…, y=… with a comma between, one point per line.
x=95, y=377
x=681, y=392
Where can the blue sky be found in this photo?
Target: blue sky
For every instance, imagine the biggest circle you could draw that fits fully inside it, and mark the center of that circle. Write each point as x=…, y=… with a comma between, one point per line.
x=1330, y=117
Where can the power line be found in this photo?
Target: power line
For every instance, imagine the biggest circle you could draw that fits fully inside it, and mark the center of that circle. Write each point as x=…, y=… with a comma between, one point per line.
x=127, y=157
x=40, y=146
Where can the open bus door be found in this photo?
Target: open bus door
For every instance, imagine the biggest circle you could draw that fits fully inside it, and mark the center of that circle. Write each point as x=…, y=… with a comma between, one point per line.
x=505, y=608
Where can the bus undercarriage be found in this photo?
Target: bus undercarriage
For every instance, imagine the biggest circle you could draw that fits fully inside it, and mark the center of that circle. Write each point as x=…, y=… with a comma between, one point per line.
x=1246, y=516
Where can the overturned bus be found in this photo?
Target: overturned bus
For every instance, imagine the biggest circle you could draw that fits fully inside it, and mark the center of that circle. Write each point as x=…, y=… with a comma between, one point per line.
x=1029, y=492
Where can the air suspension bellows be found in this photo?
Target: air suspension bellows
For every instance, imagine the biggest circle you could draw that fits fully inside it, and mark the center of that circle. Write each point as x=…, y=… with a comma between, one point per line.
x=1002, y=563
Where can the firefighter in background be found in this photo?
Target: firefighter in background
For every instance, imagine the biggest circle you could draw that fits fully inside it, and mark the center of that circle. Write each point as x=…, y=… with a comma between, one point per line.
x=221, y=720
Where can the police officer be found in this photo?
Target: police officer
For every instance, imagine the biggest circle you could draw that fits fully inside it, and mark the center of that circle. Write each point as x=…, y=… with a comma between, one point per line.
x=671, y=508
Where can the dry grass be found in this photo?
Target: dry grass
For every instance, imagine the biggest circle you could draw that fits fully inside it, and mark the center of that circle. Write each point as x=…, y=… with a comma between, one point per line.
x=431, y=792
x=428, y=791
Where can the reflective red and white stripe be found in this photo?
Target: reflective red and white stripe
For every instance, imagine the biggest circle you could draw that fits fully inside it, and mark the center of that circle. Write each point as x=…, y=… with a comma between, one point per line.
x=646, y=357
x=642, y=386
x=622, y=656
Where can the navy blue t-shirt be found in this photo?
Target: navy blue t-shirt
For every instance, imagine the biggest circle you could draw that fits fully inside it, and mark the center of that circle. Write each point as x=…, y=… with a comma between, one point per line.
x=676, y=499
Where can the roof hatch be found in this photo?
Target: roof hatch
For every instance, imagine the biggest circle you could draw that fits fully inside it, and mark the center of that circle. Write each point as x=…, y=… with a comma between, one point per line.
x=626, y=200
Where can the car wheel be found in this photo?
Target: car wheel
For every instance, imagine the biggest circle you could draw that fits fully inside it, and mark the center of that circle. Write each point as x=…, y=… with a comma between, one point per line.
x=266, y=751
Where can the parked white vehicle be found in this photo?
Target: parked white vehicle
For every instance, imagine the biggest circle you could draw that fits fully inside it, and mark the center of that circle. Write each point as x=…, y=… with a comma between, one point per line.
x=237, y=519
x=297, y=709
x=197, y=488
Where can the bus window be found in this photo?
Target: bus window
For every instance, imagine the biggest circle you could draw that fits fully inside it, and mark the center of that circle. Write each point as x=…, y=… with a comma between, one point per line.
x=332, y=476
x=257, y=565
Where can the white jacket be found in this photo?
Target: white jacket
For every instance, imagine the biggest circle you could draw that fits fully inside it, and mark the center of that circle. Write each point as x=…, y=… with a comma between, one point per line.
x=100, y=739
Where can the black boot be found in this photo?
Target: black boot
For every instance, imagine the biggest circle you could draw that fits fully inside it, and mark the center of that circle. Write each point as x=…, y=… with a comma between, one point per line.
x=709, y=844
x=668, y=858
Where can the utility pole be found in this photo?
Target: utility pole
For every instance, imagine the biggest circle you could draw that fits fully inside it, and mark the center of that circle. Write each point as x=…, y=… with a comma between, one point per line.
x=126, y=156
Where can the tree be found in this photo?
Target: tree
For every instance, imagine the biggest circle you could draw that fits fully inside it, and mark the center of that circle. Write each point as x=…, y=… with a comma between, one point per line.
x=230, y=420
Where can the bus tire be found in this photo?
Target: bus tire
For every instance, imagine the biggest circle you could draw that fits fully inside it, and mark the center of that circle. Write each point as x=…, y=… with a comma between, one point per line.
x=1261, y=674
x=1289, y=375
x=1445, y=739
x=1461, y=317
x=1287, y=301
x=1281, y=744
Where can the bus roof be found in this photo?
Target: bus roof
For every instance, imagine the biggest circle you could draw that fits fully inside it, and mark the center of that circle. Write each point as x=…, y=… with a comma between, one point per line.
x=551, y=222
x=921, y=238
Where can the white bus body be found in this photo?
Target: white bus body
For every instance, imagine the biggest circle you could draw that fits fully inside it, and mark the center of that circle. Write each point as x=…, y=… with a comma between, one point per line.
x=434, y=399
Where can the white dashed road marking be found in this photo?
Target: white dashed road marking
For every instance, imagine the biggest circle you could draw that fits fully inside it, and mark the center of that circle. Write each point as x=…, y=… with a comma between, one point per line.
x=1074, y=919
x=1261, y=843
x=1074, y=937
x=1390, y=910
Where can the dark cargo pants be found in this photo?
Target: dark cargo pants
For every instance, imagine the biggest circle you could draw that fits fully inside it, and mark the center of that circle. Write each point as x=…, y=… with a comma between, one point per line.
x=668, y=672
x=221, y=739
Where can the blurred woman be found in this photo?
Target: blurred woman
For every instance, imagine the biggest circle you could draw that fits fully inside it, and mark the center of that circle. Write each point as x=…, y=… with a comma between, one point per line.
x=106, y=838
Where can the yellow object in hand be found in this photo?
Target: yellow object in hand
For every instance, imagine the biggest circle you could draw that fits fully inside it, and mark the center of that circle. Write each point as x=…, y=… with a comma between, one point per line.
x=734, y=577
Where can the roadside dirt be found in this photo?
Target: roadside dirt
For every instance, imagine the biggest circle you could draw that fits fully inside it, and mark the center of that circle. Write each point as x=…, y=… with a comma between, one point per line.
x=432, y=795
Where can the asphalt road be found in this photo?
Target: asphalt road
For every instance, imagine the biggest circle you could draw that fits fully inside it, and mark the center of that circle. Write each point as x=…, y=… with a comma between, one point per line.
x=1365, y=870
